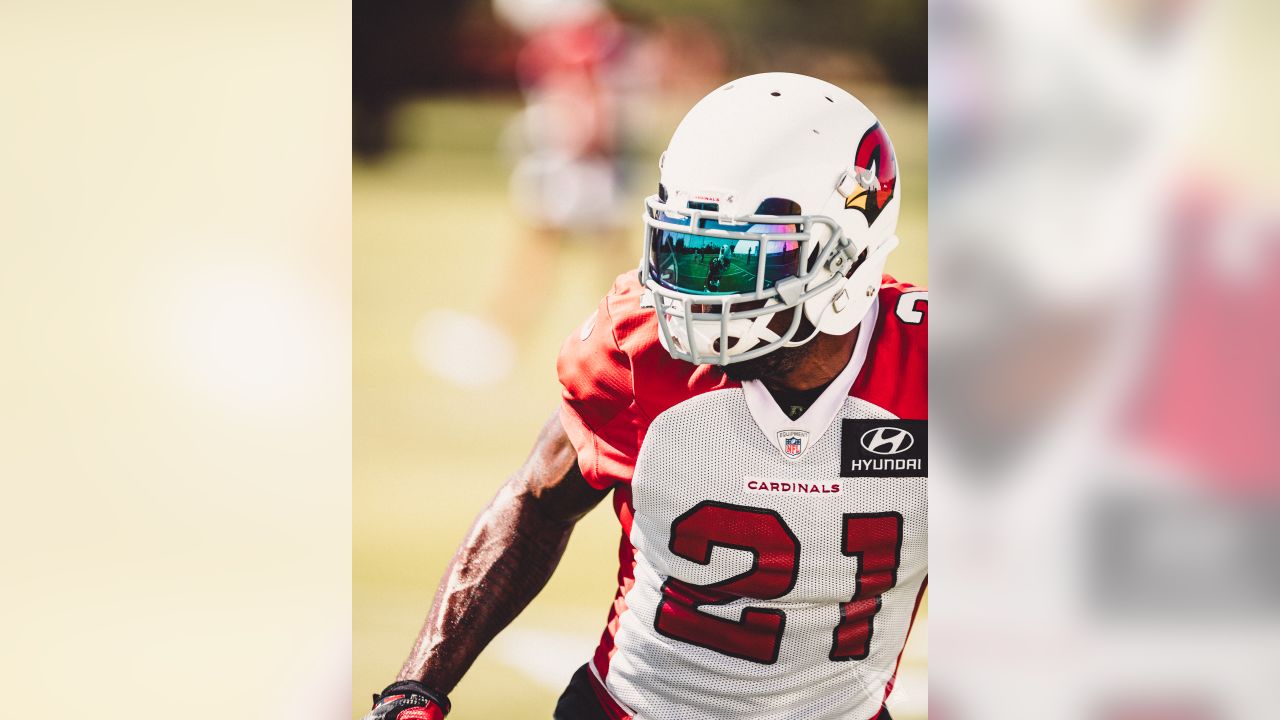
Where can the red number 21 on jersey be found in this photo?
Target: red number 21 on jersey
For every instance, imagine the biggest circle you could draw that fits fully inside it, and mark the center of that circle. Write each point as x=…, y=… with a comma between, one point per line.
x=874, y=538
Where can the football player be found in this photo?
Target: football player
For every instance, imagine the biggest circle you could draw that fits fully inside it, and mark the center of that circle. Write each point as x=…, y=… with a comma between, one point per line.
x=764, y=442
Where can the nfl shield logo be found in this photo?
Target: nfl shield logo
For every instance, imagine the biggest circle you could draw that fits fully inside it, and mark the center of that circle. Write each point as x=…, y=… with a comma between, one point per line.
x=793, y=442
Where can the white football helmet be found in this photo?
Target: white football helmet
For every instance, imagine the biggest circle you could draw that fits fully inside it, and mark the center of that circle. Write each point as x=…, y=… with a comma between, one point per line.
x=777, y=191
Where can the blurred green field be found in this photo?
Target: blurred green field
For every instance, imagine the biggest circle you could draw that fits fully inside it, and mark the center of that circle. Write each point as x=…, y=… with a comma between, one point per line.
x=428, y=222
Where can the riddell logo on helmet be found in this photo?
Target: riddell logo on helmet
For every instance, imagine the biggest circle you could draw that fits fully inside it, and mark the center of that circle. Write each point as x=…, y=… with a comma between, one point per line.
x=876, y=173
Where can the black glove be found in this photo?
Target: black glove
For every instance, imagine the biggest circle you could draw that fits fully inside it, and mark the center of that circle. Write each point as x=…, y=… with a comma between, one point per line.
x=409, y=700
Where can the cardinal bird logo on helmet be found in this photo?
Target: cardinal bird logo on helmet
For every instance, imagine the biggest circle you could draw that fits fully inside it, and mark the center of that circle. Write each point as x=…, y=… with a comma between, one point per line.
x=875, y=173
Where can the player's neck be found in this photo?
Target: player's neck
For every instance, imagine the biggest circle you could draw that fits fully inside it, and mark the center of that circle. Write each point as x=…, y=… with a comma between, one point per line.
x=827, y=357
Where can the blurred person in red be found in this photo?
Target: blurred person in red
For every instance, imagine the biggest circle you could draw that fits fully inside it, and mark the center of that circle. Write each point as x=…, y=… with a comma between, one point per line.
x=764, y=439
x=571, y=69
x=1100, y=381
x=569, y=174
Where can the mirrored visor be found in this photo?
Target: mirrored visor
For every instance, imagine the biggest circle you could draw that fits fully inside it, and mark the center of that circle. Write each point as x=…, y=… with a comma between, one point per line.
x=690, y=262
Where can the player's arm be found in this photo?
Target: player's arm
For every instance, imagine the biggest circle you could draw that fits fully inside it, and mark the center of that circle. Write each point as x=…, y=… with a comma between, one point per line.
x=505, y=560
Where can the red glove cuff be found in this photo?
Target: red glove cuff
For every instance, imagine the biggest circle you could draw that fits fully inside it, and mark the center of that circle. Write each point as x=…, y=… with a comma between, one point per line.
x=430, y=711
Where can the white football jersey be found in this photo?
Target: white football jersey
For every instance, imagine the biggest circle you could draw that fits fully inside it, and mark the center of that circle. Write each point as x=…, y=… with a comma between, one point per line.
x=771, y=567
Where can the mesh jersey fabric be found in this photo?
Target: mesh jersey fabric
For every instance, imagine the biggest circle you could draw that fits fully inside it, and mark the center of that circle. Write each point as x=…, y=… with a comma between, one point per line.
x=669, y=436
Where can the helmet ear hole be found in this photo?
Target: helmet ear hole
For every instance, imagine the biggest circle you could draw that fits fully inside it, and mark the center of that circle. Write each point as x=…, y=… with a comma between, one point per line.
x=857, y=263
x=820, y=234
x=813, y=260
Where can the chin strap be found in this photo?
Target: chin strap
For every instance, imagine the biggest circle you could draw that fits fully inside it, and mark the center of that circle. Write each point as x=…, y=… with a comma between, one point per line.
x=761, y=332
x=797, y=343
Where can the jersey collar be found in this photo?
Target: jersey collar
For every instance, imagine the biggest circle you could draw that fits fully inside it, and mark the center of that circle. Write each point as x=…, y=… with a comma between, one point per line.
x=809, y=428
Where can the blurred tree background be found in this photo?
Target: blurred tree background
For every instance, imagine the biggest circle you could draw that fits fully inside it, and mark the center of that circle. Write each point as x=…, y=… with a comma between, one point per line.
x=404, y=48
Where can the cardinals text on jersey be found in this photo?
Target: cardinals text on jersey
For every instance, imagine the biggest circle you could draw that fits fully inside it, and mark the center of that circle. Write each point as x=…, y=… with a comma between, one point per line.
x=757, y=580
